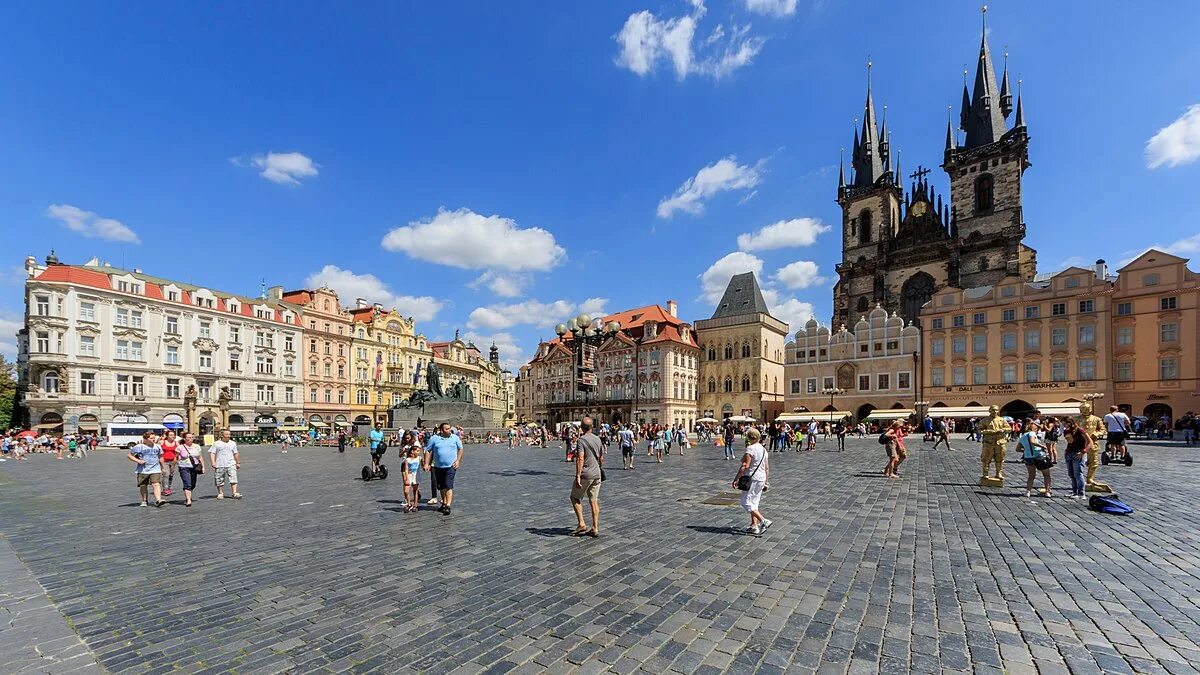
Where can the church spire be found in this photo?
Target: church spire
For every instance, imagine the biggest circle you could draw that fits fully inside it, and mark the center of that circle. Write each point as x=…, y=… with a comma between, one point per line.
x=841, y=171
x=1019, y=123
x=951, y=141
x=868, y=155
x=1006, y=106
x=984, y=122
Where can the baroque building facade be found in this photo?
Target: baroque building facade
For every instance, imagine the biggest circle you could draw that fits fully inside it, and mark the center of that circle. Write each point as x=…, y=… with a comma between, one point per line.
x=898, y=247
x=386, y=354
x=462, y=361
x=102, y=344
x=326, y=358
x=742, y=355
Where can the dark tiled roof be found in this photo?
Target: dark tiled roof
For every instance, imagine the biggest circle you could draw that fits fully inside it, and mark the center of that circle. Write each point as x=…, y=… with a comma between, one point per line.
x=742, y=296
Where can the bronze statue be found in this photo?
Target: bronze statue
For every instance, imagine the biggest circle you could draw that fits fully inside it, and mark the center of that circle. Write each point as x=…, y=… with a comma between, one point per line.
x=1093, y=426
x=995, y=430
x=433, y=379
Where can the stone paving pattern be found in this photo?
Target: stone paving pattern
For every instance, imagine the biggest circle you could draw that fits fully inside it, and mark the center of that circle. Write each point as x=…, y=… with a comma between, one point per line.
x=317, y=571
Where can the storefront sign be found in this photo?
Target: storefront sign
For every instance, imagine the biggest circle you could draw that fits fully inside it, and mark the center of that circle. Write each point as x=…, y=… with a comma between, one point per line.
x=1001, y=387
x=1044, y=385
x=1158, y=397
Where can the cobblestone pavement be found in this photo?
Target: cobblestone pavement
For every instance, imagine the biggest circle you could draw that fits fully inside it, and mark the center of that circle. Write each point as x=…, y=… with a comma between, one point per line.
x=316, y=570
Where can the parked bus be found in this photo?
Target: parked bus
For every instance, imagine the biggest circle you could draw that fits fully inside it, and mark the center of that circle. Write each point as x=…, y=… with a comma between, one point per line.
x=127, y=435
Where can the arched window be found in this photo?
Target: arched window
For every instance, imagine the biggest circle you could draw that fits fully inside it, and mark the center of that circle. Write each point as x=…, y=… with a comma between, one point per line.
x=361, y=397
x=50, y=382
x=864, y=227
x=712, y=386
x=728, y=383
x=983, y=264
x=712, y=353
x=728, y=351
x=745, y=383
x=863, y=304
x=984, y=186
x=745, y=350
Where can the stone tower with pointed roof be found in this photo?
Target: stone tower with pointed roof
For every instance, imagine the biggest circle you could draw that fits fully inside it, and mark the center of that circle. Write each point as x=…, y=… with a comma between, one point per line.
x=899, y=247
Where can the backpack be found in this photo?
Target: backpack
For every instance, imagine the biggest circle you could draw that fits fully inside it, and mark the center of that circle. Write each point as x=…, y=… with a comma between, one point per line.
x=883, y=439
x=1110, y=504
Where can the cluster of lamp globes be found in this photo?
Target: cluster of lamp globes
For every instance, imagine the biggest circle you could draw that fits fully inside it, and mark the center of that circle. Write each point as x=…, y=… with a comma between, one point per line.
x=588, y=326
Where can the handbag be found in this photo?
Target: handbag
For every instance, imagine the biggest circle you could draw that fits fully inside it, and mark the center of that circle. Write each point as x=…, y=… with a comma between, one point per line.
x=743, y=481
x=197, y=466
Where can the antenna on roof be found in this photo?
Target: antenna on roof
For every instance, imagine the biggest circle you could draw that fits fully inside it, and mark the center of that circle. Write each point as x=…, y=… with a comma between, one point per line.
x=263, y=283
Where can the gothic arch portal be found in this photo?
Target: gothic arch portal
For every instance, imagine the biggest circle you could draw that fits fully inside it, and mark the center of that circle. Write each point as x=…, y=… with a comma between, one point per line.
x=915, y=292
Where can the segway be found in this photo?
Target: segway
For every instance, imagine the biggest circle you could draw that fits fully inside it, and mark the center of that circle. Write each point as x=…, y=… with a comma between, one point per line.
x=378, y=474
x=1108, y=457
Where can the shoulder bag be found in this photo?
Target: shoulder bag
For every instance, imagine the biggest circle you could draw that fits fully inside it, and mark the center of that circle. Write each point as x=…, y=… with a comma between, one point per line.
x=601, y=465
x=743, y=481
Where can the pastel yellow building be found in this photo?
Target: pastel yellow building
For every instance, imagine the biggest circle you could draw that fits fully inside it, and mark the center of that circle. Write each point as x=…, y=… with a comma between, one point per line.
x=387, y=362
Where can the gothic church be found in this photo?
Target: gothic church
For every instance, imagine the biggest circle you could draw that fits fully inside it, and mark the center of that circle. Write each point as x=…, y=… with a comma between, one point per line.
x=898, y=247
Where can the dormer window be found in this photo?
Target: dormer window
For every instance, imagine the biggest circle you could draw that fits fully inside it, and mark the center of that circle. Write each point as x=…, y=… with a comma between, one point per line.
x=234, y=306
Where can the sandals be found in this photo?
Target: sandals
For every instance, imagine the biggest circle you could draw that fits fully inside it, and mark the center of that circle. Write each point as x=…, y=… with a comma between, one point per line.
x=593, y=534
x=579, y=531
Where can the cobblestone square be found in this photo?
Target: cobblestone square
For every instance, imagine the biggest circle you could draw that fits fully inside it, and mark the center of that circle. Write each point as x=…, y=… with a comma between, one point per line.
x=317, y=571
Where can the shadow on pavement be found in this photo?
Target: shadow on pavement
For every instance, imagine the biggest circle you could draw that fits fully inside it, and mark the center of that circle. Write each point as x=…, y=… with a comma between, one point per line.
x=710, y=529
x=522, y=472
x=863, y=474
x=549, y=531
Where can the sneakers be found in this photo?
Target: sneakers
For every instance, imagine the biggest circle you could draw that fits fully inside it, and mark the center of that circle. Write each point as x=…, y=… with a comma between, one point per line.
x=168, y=492
x=220, y=495
x=766, y=524
x=432, y=501
x=754, y=529
x=159, y=504
x=143, y=504
x=1028, y=494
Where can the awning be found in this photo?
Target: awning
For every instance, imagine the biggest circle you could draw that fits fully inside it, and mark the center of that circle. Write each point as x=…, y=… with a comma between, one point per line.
x=241, y=428
x=346, y=424
x=960, y=412
x=48, y=425
x=894, y=414
x=169, y=425
x=818, y=416
x=319, y=425
x=292, y=427
x=88, y=426
x=266, y=425
x=1058, y=408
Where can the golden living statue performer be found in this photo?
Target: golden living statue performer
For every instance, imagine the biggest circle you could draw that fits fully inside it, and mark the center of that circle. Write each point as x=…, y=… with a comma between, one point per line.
x=994, y=430
x=1094, y=427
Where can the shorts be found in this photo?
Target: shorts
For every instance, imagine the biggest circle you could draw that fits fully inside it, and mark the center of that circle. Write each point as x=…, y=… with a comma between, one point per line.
x=145, y=479
x=444, y=477
x=376, y=453
x=589, y=490
x=412, y=479
x=626, y=450
x=751, y=497
x=188, y=476
x=890, y=448
x=223, y=473
x=1116, y=438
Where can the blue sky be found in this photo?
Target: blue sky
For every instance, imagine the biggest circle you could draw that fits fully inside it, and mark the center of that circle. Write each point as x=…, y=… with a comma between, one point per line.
x=495, y=167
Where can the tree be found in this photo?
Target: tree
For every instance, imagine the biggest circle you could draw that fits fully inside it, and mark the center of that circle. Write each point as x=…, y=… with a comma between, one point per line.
x=8, y=392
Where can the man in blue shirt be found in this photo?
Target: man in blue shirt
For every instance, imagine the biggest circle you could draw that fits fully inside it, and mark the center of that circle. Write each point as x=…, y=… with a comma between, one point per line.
x=147, y=456
x=443, y=454
x=375, y=436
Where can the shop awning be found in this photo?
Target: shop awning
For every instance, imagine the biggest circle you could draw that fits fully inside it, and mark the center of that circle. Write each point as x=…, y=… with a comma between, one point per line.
x=346, y=424
x=1058, y=408
x=48, y=425
x=266, y=425
x=169, y=425
x=89, y=426
x=894, y=414
x=818, y=416
x=319, y=425
x=960, y=412
x=241, y=428
x=292, y=427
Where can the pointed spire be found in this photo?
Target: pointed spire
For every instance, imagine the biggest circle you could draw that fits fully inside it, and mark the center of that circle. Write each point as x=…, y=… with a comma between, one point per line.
x=1019, y=123
x=985, y=123
x=964, y=114
x=841, y=171
x=885, y=145
x=1006, y=106
x=896, y=172
x=950, y=136
x=868, y=156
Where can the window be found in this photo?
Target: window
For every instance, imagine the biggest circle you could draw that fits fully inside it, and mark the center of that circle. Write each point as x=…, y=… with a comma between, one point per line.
x=864, y=227
x=864, y=383
x=1125, y=335
x=745, y=350
x=289, y=343
x=341, y=371
x=937, y=346
x=937, y=377
x=979, y=344
x=979, y=318
x=958, y=376
x=828, y=383
x=958, y=320
x=265, y=314
x=1032, y=312
x=1124, y=308
x=728, y=384
x=289, y=396
x=1008, y=291
x=1058, y=309
x=205, y=329
x=87, y=384
x=892, y=345
x=1072, y=282
x=50, y=382
x=42, y=305
x=1058, y=371
x=122, y=385
x=1124, y=371
x=1168, y=369
x=341, y=394
x=958, y=345
x=1087, y=335
x=129, y=350
x=328, y=348
x=1087, y=369
x=264, y=339
x=1058, y=337
x=137, y=386
x=312, y=395
x=795, y=386
x=264, y=365
x=172, y=327
x=1033, y=340
x=1008, y=315
x=87, y=345
x=87, y=311
x=745, y=383
x=1087, y=306
x=204, y=390
x=978, y=374
x=328, y=369
x=172, y=387
x=235, y=391
x=233, y=306
x=936, y=323
x=1008, y=341
x=1032, y=372
x=289, y=368
x=42, y=342
x=883, y=382
x=1008, y=373
x=265, y=393
x=172, y=356
x=173, y=295
x=341, y=349
x=984, y=186
x=1150, y=280
x=1168, y=332
x=361, y=397
x=811, y=385
x=206, y=360
x=1168, y=303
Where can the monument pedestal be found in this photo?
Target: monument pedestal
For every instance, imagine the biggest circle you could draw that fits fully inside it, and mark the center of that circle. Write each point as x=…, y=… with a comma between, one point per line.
x=989, y=481
x=431, y=413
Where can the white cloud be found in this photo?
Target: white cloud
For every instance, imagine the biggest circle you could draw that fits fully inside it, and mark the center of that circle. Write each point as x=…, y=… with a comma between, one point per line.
x=512, y=356
x=533, y=313
x=8, y=337
x=783, y=234
x=793, y=312
x=646, y=40
x=1183, y=248
x=772, y=7
x=1177, y=143
x=285, y=168
x=351, y=286
x=468, y=240
x=714, y=279
x=503, y=285
x=91, y=225
x=724, y=174
x=800, y=274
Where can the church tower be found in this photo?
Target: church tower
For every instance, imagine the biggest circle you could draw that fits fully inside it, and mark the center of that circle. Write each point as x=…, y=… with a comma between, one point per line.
x=870, y=215
x=985, y=173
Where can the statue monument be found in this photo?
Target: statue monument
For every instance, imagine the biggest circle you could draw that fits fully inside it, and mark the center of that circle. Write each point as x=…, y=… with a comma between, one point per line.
x=432, y=405
x=223, y=400
x=1093, y=426
x=189, y=407
x=994, y=430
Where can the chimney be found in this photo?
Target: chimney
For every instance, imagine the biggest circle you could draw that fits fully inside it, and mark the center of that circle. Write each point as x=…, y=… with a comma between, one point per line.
x=30, y=266
x=1101, y=269
x=275, y=293
x=379, y=306
x=360, y=303
x=672, y=308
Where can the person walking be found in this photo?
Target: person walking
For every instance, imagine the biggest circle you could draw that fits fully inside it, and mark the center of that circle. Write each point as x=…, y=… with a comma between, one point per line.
x=839, y=430
x=169, y=445
x=341, y=441
x=1079, y=444
x=443, y=457
x=148, y=457
x=891, y=439
x=410, y=466
x=656, y=441
x=1035, y=456
x=813, y=430
x=286, y=439
x=728, y=439
x=191, y=464
x=223, y=455
x=626, y=440
x=1051, y=433
x=589, y=473
x=941, y=434
x=751, y=480
x=1117, y=424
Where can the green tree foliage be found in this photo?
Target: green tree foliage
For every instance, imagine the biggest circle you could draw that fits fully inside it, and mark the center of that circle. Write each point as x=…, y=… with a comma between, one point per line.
x=8, y=392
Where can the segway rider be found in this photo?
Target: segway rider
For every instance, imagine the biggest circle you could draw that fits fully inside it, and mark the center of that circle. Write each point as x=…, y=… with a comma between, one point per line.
x=377, y=446
x=1117, y=424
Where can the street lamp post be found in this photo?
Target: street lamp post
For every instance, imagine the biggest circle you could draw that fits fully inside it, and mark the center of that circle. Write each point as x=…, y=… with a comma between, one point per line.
x=831, y=392
x=586, y=333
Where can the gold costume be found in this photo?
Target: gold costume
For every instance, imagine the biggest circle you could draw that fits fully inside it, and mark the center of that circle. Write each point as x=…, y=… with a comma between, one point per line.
x=995, y=430
x=1094, y=427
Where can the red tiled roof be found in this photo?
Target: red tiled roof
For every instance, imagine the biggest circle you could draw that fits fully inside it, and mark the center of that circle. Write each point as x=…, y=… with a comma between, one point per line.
x=75, y=275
